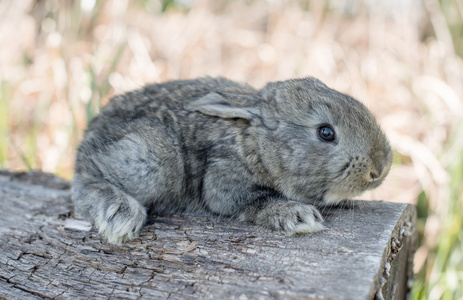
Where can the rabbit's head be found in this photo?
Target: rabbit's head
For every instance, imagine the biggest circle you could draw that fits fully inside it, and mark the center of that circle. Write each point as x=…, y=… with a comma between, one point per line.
x=312, y=143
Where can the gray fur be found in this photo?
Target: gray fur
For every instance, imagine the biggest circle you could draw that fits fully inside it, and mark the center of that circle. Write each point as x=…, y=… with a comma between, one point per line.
x=216, y=146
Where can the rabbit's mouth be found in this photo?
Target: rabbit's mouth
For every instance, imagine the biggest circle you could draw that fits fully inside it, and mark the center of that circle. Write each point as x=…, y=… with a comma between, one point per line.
x=344, y=191
x=375, y=183
x=351, y=187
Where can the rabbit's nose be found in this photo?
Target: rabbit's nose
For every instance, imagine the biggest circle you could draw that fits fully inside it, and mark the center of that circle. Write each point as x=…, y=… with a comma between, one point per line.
x=373, y=175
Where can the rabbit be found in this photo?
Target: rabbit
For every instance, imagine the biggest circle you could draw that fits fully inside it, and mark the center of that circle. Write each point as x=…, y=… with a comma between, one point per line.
x=211, y=145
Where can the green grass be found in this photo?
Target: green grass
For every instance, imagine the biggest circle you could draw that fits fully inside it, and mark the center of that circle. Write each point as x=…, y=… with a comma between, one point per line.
x=442, y=275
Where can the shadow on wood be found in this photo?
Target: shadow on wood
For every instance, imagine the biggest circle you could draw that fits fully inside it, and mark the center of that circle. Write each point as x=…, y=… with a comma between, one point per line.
x=365, y=252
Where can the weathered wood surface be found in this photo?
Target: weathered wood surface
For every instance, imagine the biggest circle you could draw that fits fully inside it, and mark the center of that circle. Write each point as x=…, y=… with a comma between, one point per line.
x=364, y=253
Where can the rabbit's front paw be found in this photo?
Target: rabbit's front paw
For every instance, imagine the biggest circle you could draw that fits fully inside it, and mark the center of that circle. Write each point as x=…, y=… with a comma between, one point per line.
x=291, y=217
x=122, y=221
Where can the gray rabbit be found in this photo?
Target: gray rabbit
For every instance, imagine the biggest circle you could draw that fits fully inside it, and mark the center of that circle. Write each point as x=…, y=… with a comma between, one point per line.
x=212, y=145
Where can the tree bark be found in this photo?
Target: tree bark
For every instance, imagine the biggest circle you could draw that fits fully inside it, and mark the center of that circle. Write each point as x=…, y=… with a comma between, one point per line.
x=365, y=252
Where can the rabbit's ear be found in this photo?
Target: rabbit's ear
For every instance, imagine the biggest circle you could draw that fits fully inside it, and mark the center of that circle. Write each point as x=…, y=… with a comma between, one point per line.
x=223, y=106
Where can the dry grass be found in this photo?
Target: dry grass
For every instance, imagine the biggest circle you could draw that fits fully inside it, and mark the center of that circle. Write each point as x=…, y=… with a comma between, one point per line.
x=61, y=60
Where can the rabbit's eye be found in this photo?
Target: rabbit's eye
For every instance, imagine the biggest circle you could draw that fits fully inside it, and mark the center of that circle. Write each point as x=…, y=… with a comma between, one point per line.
x=326, y=133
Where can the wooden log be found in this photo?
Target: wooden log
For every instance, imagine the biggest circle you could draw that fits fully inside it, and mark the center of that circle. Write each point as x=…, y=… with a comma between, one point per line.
x=365, y=252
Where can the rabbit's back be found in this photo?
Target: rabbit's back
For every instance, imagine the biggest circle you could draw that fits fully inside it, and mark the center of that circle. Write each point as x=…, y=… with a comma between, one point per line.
x=160, y=106
x=168, y=96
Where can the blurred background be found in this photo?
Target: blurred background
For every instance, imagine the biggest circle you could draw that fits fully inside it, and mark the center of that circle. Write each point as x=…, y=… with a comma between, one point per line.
x=60, y=61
